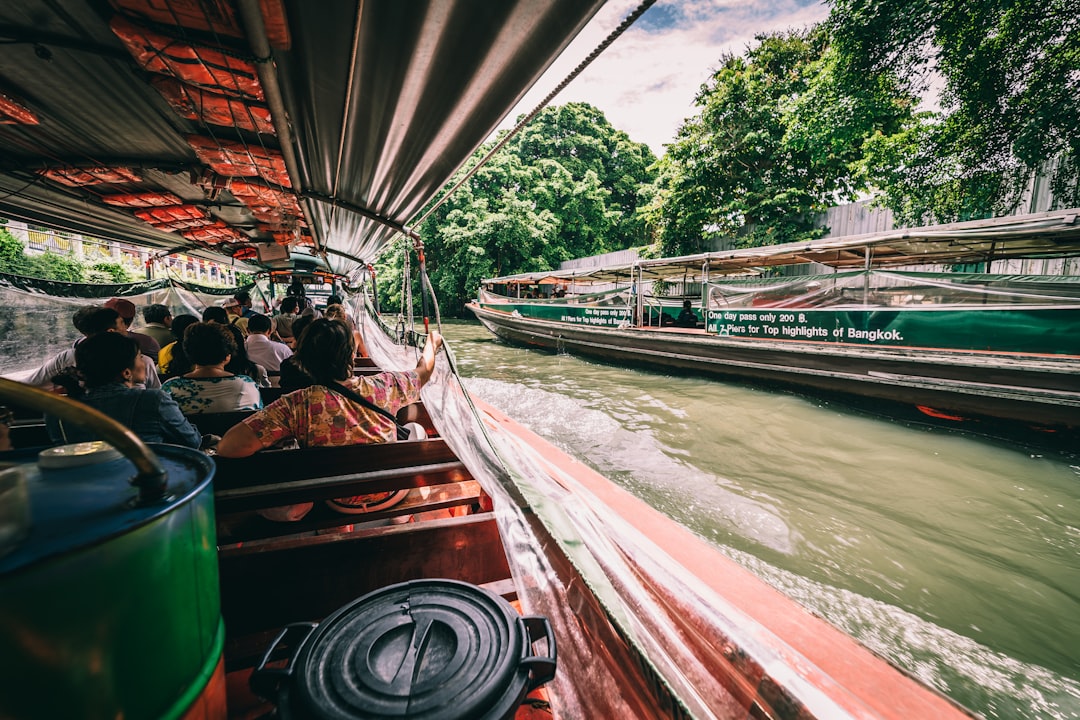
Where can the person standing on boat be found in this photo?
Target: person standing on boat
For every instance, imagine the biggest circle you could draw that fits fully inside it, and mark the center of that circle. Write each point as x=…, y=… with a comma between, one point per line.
x=113, y=371
x=148, y=345
x=90, y=321
x=158, y=319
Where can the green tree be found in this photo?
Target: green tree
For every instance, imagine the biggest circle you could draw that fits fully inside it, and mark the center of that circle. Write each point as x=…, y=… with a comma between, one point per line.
x=777, y=141
x=1010, y=103
x=567, y=186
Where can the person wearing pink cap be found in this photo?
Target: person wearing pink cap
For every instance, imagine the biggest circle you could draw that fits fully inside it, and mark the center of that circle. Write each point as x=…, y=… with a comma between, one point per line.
x=147, y=345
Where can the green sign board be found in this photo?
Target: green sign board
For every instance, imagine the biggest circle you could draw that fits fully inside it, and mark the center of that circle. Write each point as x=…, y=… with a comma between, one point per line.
x=1054, y=331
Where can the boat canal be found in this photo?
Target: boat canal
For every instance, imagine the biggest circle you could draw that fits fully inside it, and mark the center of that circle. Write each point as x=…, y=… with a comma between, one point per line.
x=951, y=554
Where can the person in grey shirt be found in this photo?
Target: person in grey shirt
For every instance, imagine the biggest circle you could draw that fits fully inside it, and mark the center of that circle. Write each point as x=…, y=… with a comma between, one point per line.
x=158, y=319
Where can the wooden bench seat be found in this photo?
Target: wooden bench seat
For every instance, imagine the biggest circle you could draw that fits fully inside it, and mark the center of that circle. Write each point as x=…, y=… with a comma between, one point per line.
x=283, y=477
x=250, y=526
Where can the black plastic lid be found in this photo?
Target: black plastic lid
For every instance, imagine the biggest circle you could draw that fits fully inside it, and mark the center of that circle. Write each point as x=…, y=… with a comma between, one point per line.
x=427, y=649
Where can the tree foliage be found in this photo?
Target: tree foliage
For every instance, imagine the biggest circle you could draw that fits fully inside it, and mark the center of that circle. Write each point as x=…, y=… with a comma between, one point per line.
x=51, y=266
x=566, y=186
x=777, y=141
x=1010, y=103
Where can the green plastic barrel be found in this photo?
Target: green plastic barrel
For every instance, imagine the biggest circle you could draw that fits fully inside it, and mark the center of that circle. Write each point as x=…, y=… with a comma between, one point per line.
x=108, y=610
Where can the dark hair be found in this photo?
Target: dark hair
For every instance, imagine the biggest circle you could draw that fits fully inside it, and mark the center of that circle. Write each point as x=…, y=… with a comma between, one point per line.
x=156, y=313
x=259, y=324
x=94, y=320
x=299, y=325
x=289, y=304
x=325, y=351
x=334, y=300
x=180, y=323
x=242, y=297
x=208, y=343
x=102, y=358
x=215, y=314
x=240, y=364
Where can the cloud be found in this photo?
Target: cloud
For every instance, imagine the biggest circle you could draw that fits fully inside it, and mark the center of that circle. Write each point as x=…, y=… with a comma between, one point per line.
x=646, y=82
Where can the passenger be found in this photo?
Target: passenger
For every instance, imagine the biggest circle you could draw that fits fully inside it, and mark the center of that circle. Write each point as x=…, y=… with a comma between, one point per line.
x=90, y=321
x=687, y=317
x=324, y=414
x=172, y=360
x=111, y=367
x=235, y=312
x=216, y=314
x=260, y=348
x=337, y=312
x=158, y=319
x=126, y=308
x=241, y=364
x=290, y=311
x=210, y=388
x=293, y=376
x=243, y=298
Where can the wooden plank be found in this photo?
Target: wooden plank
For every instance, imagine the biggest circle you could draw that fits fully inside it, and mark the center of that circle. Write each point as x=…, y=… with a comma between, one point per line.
x=266, y=585
x=245, y=527
x=275, y=465
x=255, y=497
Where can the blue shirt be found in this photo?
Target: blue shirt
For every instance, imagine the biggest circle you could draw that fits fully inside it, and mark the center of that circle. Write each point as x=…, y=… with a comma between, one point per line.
x=150, y=414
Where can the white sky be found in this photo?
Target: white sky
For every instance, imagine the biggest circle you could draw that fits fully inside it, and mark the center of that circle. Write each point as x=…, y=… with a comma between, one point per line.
x=646, y=81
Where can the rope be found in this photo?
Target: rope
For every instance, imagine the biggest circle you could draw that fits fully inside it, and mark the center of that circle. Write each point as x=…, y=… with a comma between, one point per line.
x=623, y=27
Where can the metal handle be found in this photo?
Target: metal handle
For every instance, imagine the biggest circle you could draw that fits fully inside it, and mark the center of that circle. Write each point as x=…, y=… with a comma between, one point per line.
x=151, y=479
x=266, y=681
x=541, y=669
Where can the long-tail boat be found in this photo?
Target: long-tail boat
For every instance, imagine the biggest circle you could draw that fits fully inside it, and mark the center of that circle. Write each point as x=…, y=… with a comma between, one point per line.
x=292, y=134
x=884, y=319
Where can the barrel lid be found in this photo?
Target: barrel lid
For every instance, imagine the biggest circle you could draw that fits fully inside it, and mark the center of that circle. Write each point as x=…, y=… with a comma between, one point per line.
x=425, y=649
x=77, y=455
x=72, y=508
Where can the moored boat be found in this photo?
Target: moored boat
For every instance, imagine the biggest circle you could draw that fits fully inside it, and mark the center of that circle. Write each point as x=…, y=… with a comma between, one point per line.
x=978, y=346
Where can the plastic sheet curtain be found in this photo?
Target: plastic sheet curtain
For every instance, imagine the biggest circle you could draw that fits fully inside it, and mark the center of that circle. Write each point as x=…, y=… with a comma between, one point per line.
x=35, y=316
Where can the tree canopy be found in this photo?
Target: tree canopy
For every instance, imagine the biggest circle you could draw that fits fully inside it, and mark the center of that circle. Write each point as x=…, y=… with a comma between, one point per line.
x=566, y=186
x=1009, y=102
x=775, y=143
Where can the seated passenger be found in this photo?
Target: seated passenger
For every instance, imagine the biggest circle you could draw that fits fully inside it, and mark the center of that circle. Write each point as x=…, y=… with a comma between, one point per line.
x=172, y=361
x=687, y=317
x=110, y=366
x=241, y=364
x=148, y=345
x=337, y=312
x=260, y=348
x=91, y=320
x=210, y=387
x=324, y=414
x=290, y=312
x=293, y=377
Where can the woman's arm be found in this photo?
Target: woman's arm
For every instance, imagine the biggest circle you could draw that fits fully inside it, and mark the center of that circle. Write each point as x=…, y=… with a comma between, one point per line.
x=426, y=365
x=239, y=441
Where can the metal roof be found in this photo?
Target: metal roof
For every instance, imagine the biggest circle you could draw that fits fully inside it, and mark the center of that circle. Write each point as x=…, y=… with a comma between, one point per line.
x=375, y=105
x=1049, y=234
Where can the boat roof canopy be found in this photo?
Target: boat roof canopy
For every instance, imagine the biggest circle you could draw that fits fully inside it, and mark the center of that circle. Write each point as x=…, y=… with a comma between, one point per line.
x=1049, y=234
x=342, y=120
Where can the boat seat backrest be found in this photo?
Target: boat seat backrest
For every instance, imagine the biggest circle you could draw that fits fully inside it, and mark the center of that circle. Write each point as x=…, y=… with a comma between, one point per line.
x=218, y=423
x=275, y=466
